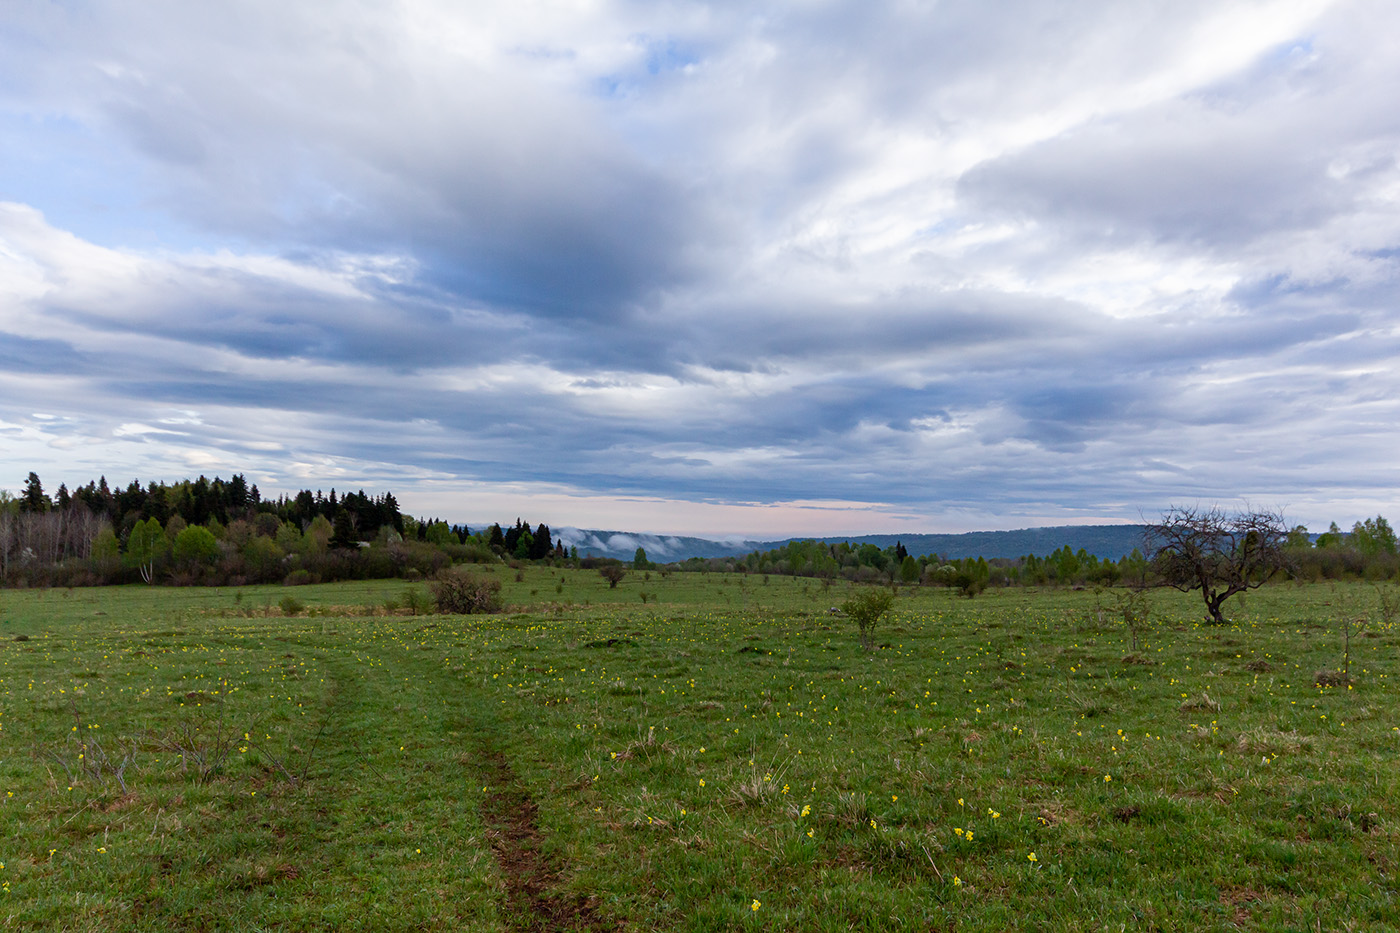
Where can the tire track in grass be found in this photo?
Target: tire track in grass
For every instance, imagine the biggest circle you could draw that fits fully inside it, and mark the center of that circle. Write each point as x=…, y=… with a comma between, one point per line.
x=352, y=831
x=532, y=877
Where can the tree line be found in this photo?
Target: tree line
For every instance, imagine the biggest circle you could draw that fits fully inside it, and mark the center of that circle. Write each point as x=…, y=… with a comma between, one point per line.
x=224, y=531
x=218, y=531
x=869, y=563
x=1368, y=552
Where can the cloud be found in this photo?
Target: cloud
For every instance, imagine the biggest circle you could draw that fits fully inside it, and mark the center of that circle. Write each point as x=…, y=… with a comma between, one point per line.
x=930, y=264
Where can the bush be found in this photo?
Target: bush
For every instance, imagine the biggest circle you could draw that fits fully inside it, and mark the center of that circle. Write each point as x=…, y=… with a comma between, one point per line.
x=290, y=605
x=866, y=608
x=459, y=592
x=593, y=563
x=417, y=602
x=968, y=582
x=473, y=552
x=419, y=559
x=376, y=563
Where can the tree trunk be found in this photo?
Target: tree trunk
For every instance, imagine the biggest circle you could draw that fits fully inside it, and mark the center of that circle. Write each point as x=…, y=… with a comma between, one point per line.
x=1213, y=602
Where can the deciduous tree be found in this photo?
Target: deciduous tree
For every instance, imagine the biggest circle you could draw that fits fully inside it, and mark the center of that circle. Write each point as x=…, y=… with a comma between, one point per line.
x=145, y=545
x=1218, y=553
x=105, y=551
x=194, y=546
x=1374, y=536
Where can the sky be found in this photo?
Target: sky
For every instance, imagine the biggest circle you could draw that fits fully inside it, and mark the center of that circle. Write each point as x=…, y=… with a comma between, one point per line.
x=790, y=268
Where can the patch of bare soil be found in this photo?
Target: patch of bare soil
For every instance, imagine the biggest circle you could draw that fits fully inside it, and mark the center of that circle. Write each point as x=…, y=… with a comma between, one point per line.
x=532, y=877
x=1240, y=900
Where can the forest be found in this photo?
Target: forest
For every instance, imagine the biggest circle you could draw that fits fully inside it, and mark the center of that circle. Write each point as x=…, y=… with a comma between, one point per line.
x=223, y=532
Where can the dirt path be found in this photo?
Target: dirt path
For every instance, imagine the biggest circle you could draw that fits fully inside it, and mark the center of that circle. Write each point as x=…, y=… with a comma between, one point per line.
x=532, y=877
x=534, y=901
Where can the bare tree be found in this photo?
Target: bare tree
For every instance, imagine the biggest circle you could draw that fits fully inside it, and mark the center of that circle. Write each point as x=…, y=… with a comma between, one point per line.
x=79, y=530
x=9, y=536
x=1218, y=553
x=40, y=537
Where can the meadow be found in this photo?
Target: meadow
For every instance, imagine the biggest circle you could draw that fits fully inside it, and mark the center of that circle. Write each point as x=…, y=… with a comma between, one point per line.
x=695, y=752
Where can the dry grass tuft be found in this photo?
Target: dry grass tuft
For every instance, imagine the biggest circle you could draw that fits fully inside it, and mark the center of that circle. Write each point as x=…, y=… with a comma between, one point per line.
x=1202, y=703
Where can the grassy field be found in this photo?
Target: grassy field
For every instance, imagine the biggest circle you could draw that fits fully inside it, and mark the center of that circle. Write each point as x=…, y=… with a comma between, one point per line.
x=717, y=755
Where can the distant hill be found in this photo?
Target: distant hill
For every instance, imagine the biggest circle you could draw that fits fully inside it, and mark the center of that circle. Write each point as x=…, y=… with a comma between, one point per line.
x=660, y=548
x=1103, y=541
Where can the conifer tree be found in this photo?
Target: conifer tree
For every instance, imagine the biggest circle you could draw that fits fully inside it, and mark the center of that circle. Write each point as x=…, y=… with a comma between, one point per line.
x=34, y=499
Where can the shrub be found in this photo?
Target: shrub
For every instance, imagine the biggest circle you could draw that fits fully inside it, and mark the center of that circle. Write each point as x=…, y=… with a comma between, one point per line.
x=867, y=575
x=459, y=592
x=376, y=563
x=613, y=573
x=291, y=605
x=968, y=582
x=417, y=602
x=593, y=563
x=1136, y=610
x=866, y=608
x=473, y=552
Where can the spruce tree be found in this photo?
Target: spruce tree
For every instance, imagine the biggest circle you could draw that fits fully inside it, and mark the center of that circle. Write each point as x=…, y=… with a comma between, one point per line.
x=34, y=499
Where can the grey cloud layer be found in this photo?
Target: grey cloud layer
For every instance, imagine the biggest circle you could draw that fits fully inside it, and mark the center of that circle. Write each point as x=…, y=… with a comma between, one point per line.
x=1024, y=261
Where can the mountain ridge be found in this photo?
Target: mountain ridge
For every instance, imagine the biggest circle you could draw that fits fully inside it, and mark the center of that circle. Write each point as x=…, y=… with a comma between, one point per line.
x=1103, y=541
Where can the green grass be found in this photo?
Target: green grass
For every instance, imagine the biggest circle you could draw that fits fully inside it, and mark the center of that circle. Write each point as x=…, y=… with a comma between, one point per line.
x=724, y=742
